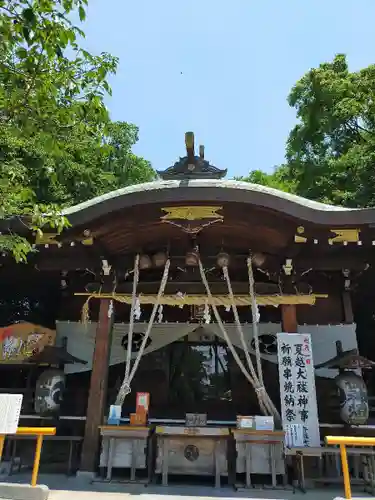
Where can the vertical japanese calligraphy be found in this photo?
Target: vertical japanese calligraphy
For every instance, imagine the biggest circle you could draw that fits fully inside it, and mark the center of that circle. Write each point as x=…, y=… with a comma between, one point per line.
x=297, y=390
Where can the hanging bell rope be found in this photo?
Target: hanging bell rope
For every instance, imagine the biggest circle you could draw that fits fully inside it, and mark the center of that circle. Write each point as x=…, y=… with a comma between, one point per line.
x=163, y=284
x=125, y=386
x=254, y=313
x=238, y=323
x=265, y=403
x=129, y=374
x=221, y=325
x=132, y=317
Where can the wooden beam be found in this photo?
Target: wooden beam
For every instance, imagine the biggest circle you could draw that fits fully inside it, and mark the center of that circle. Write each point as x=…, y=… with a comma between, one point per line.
x=345, y=260
x=98, y=386
x=79, y=257
x=289, y=318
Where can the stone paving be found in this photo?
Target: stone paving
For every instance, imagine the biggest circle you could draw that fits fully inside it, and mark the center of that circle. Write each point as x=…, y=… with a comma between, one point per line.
x=184, y=493
x=62, y=488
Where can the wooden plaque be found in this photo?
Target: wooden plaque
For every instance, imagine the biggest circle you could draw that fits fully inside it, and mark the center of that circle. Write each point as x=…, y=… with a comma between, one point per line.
x=142, y=402
x=196, y=419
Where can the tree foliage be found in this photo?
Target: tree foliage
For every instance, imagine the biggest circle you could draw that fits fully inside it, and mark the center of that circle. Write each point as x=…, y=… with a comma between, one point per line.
x=58, y=145
x=330, y=153
x=275, y=180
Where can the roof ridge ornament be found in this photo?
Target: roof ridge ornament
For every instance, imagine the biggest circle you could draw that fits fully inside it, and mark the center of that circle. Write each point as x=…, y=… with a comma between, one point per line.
x=192, y=166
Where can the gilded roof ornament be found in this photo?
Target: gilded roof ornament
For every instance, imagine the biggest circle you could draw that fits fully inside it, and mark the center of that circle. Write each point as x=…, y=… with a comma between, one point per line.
x=192, y=166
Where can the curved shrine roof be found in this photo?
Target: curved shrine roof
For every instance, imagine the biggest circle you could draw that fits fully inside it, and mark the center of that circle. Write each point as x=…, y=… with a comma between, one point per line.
x=190, y=201
x=218, y=191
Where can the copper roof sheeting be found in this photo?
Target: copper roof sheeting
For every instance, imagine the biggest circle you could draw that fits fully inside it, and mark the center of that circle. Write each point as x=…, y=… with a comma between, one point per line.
x=349, y=360
x=218, y=191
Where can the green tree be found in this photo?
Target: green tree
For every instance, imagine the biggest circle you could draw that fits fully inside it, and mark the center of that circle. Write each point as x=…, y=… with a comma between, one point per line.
x=330, y=153
x=125, y=167
x=84, y=166
x=275, y=180
x=57, y=143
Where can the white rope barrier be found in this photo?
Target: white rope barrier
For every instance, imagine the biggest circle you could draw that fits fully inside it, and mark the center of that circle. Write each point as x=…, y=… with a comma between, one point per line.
x=163, y=284
x=254, y=313
x=238, y=323
x=255, y=379
x=265, y=403
x=125, y=388
x=131, y=319
x=222, y=328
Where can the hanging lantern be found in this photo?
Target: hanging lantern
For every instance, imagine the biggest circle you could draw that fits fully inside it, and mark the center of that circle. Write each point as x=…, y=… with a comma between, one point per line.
x=223, y=259
x=354, y=407
x=49, y=392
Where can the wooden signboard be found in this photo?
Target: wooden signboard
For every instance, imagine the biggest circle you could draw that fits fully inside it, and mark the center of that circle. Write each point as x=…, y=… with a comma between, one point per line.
x=299, y=410
x=196, y=419
x=20, y=341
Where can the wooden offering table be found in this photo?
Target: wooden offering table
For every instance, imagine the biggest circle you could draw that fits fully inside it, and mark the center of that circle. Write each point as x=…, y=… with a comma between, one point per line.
x=200, y=451
x=124, y=446
x=260, y=452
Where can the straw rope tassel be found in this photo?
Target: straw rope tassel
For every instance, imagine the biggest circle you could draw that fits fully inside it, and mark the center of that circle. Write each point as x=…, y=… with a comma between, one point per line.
x=85, y=312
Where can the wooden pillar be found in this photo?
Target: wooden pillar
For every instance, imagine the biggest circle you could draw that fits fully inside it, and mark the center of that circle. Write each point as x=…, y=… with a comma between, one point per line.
x=347, y=307
x=289, y=318
x=98, y=388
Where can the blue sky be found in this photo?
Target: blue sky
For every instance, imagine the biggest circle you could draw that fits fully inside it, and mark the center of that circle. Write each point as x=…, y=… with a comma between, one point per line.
x=222, y=69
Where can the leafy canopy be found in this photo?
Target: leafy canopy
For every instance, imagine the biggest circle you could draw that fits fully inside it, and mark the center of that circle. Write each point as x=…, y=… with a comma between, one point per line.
x=275, y=180
x=58, y=145
x=330, y=153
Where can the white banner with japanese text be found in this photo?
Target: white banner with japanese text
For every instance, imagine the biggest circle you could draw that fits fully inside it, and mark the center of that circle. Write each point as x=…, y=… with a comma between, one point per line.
x=299, y=409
